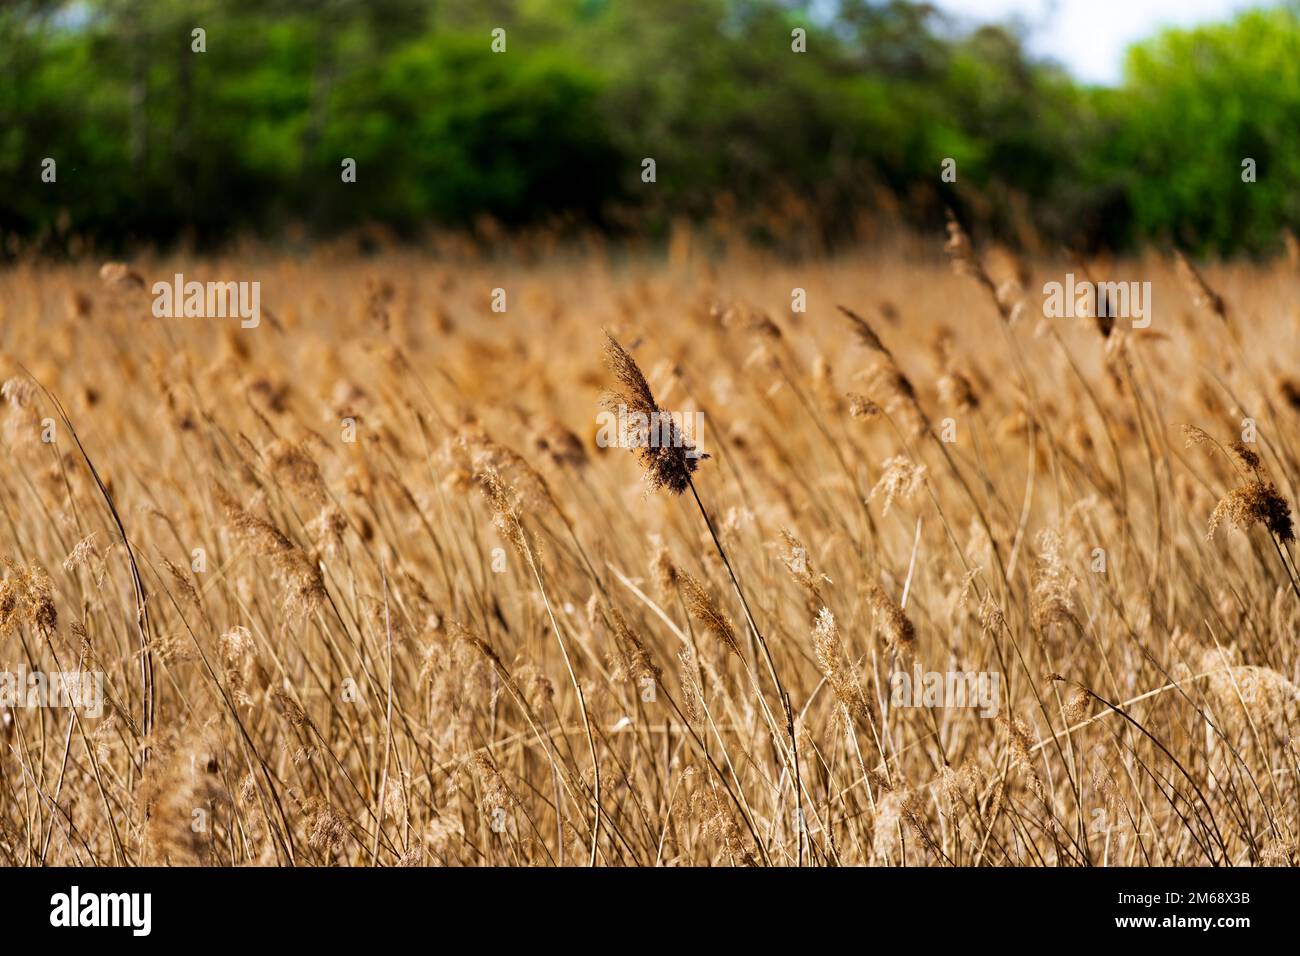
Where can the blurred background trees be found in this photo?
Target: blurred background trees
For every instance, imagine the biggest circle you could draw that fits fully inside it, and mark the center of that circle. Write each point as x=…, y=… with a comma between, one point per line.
x=154, y=142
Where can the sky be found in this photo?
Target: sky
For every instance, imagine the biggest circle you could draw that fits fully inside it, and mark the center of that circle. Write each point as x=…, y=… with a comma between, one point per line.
x=1089, y=36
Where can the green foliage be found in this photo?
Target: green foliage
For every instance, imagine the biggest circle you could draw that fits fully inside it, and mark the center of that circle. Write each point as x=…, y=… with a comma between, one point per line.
x=1194, y=105
x=442, y=130
x=154, y=141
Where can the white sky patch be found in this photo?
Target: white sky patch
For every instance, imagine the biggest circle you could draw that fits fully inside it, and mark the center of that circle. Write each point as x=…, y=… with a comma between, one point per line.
x=1089, y=37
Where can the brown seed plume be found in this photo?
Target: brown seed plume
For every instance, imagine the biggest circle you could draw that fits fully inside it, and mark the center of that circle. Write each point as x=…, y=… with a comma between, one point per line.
x=891, y=621
x=669, y=459
x=1256, y=502
x=705, y=610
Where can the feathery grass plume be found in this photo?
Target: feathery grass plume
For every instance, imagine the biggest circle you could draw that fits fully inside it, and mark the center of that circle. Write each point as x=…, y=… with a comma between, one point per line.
x=669, y=463
x=662, y=568
x=1195, y=435
x=832, y=660
x=631, y=658
x=18, y=392
x=183, y=583
x=692, y=702
x=886, y=379
x=536, y=687
x=1246, y=457
x=1247, y=691
x=326, y=827
x=293, y=466
x=494, y=793
x=866, y=335
x=23, y=424
x=712, y=813
x=288, y=708
x=83, y=553
x=26, y=596
x=891, y=621
x=238, y=658
x=505, y=516
x=799, y=564
x=705, y=610
x=183, y=776
x=328, y=529
x=265, y=537
x=1256, y=502
x=862, y=407
x=966, y=262
x=1077, y=706
x=900, y=477
x=525, y=484
x=300, y=576
x=1199, y=289
x=885, y=820
x=119, y=275
x=912, y=810
x=1238, y=451
x=1021, y=742
x=1052, y=601
x=457, y=667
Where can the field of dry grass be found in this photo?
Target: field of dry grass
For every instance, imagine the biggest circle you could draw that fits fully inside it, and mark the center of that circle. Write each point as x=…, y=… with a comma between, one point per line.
x=473, y=636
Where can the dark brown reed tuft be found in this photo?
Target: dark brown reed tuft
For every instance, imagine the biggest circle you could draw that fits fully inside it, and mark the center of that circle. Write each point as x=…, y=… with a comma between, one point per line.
x=668, y=457
x=1246, y=456
x=1288, y=388
x=1255, y=502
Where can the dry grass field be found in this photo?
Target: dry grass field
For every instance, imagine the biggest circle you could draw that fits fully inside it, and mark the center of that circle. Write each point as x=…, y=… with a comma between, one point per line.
x=365, y=589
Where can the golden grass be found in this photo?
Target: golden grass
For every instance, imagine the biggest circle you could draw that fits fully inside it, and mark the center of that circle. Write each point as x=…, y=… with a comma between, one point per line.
x=473, y=637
